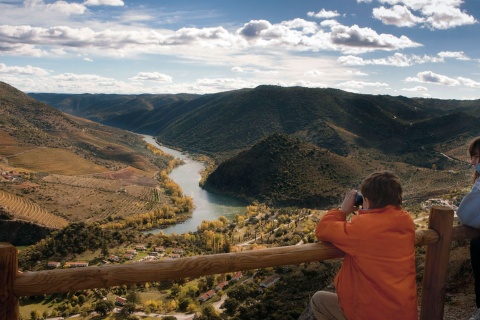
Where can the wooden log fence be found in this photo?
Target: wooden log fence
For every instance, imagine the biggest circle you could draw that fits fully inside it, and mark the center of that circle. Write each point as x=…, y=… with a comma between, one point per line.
x=437, y=238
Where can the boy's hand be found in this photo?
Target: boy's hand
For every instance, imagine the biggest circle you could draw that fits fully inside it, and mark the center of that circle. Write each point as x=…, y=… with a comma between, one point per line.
x=348, y=204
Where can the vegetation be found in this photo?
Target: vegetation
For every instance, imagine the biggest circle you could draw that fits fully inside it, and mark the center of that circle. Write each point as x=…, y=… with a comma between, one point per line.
x=286, y=150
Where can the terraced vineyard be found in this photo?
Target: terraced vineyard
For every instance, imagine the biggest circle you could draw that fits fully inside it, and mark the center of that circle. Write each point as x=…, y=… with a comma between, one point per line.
x=24, y=209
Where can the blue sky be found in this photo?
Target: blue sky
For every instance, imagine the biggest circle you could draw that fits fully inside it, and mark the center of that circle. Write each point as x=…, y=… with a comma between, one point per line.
x=414, y=48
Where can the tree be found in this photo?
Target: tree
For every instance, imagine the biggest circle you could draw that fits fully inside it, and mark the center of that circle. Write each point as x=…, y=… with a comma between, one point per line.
x=128, y=308
x=104, y=307
x=209, y=313
x=133, y=296
x=35, y=315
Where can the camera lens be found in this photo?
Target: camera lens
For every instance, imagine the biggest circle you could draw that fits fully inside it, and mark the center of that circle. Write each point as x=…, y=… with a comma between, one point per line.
x=358, y=199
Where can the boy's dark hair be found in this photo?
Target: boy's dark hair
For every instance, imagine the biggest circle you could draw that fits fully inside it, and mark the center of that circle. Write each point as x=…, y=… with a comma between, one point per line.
x=473, y=148
x=382, y=189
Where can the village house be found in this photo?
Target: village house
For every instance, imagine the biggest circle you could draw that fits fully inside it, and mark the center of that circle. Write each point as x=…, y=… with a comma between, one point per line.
x=178, y=250
x=120, y=301
x=140, y=247
x=160, y=249
x=128, y=256
x=221, y=285
x=75, y=264
x=11, y=176
x=153, y=254
x=113, y=258
x=175, y=256
x=237, y=276
x=205, y=296
x=268, y=282
x=132, y=251
x=53, y=264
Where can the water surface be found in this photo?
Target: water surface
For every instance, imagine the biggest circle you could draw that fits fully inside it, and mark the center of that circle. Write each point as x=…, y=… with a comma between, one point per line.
x=208, y=206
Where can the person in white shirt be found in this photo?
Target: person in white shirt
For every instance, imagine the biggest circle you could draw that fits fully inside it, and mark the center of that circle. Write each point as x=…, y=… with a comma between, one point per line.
x=469, y=214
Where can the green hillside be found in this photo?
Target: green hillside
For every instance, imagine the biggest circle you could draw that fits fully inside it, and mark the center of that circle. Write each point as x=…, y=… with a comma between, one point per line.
x=223, y=124
x=285, y=171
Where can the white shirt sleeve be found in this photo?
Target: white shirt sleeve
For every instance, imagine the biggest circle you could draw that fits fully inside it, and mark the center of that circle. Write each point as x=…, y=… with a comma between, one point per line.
x=469, y=209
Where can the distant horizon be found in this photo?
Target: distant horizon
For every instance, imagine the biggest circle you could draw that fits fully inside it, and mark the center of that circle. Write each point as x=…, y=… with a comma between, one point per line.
x=408, y=48
x=199, y=94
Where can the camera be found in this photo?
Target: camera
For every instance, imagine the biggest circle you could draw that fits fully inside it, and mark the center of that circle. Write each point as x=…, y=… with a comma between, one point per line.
x=358, y=199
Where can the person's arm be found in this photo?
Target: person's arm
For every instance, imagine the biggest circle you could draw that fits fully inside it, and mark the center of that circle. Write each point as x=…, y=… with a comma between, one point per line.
x=469, y=210
x=334, y=228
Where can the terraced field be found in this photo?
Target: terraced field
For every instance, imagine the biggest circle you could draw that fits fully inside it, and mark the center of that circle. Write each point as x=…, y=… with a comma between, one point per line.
x=24, y=209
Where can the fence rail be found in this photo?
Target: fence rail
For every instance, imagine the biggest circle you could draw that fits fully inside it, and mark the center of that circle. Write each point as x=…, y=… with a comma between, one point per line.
x=437, y=238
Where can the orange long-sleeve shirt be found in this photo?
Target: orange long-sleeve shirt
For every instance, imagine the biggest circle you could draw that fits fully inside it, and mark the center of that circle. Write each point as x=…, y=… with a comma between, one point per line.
x=377, y=277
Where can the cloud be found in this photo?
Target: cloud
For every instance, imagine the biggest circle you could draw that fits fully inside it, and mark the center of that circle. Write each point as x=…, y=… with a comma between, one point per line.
x=254, y=28
x=27, y=70
x=367, y=38
x=434, y=14
x=459, y=55
x=401, y=60
x=222, y=84
x=431, y=77
x=469, y=82
x=58, y=6
x=152, y=76
x=434, y=78
x=354, y=84
x=415, y=89
x=253, y=70
x=104, y=3
x=357, y=73
x=324, y=14
x=399, y=16
x=314, y=73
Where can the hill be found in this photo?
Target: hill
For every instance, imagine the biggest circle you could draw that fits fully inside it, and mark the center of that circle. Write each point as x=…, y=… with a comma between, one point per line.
x=57, y=169
x=285, y=171
x=223, y=124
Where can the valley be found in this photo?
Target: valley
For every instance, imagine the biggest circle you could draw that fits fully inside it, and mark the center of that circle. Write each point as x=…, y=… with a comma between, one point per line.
x=95, y=190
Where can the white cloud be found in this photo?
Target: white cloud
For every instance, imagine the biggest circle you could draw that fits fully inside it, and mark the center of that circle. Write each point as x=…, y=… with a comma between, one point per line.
x=357, y=73
x=366, y=38
x=329, y=23
x=308, y=84
x=354, y=84
x=469, y=82
x=152, y=76
x=435, y=14
x=324, y=14
x=459, y=55
x=401, y=60
x=254, y=28
x=104, y=3
x=314, y=73
x=58, y=6
x=415, y=89
x=253, y=70
x=27, y=70
x=399, y=16
x=88, y=59
x=431, y=77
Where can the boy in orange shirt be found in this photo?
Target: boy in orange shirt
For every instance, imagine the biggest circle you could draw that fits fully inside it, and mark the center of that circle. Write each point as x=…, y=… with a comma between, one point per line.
x=377, y=277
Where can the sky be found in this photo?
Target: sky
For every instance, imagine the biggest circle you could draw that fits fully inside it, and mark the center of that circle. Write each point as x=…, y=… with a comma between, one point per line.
x=412, y=48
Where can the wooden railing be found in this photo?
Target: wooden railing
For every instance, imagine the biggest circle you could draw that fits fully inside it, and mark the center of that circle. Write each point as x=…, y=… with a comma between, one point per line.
x=437, y=238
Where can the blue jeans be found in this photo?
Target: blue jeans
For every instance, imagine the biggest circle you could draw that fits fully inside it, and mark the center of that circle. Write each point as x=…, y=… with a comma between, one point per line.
x=475, y=259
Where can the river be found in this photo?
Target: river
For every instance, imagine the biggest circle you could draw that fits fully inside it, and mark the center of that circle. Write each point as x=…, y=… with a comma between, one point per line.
x=208, y=206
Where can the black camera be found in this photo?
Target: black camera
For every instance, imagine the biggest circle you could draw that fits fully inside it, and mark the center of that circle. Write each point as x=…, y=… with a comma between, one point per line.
x=358, y=199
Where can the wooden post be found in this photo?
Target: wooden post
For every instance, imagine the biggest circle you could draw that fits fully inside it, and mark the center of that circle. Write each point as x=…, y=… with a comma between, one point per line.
x=436, y=264
x=9, y=307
